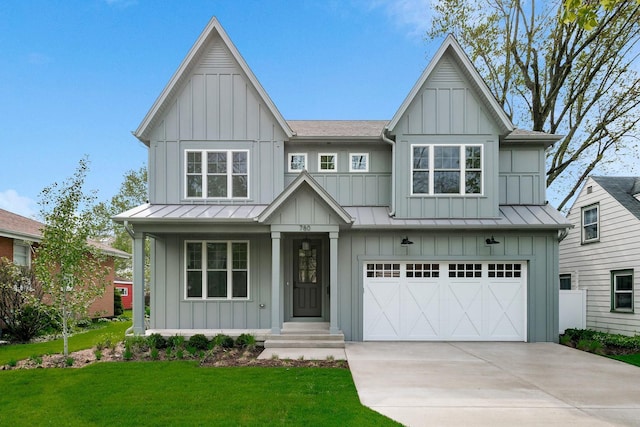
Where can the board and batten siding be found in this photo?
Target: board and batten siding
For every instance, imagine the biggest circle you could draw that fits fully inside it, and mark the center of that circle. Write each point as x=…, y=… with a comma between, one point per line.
x=590, y=264
x=446, y=110
x=215, y=102
x=522, y=175
x=170, y=309
x=539, y=249
x=372, y=188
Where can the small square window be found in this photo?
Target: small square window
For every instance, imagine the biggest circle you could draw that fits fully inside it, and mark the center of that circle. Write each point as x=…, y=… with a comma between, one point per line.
x=297, y=162
x=327, y=162
x=565, y=282
x=359, y=162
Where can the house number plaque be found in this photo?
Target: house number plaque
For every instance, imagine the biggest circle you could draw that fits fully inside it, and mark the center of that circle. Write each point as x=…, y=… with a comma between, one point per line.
x=305, y=227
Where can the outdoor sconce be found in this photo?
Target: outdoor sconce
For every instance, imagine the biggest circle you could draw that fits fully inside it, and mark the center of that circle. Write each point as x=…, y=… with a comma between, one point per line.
x=406, y=241
x=491, y=241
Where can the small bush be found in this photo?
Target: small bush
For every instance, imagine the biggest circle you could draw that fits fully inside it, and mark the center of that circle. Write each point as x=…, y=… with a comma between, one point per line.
x=13, y=363
x=118, y=308
x=199, y=342
x=98, y=354
x=36, y=360
x=137, y=344
x=246, y=340
x=155, y=354
x=224, y=341
x=84, y=323
x=68, y=362
x=175, y=342
x=156, y=341
x=180, y=354
x=128, y=354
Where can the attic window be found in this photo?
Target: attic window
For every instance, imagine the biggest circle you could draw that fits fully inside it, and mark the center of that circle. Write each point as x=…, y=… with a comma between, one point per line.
x=297, y=162
x=589, y=189
x=327, y=162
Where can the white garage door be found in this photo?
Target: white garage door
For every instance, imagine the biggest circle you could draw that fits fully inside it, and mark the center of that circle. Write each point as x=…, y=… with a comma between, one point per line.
x=445, y=301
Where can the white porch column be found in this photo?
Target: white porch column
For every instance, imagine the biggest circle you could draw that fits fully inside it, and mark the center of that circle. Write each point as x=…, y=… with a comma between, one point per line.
x=138, y=283
x=333, y=283
x=275, y=283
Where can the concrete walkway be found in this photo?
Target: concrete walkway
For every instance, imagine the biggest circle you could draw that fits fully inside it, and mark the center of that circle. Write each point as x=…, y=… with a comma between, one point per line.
x=494, y=384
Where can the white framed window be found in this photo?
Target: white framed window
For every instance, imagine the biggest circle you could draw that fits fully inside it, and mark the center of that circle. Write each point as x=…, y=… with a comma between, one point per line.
x=217, y=270
x=124, y=292
x=217, y=174
x=358, y=162
x=327, y=162
x=590, y=224
x=622, y=290
x=446, y=169
x=297, y=162
x=21, y=254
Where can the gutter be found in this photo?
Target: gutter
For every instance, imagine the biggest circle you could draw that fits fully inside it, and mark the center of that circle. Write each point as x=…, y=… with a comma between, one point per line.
x=393, y=170
x=128, y=229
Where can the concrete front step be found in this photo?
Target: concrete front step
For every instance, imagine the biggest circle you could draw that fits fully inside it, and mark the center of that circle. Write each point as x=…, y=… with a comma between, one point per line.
x=269, y=343
x=305, y=326
x=301, y=336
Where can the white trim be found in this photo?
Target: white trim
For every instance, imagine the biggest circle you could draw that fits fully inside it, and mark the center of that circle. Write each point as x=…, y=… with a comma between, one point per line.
x=335, y=162
x=204, y=174
x=366, y=162
x=229, y=269
x=463, y=170
x=290, y=158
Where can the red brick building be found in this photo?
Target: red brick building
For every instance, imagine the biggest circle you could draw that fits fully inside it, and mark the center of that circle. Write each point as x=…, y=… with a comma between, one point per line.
x=19, y=236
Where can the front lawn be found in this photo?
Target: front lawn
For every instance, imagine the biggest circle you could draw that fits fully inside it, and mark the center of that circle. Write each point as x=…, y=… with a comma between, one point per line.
x=182, y=393
x=633, y=359
x=79, y=341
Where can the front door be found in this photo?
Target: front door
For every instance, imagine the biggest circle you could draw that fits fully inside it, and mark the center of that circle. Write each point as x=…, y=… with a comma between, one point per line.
x=307, y=283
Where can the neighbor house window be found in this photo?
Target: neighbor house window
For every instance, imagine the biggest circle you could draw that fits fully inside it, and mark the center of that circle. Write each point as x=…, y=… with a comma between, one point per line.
x=590, y=224
x=21, y=254
x=297, y=162
x=359, y=162
x=622, y=290
x=446, y=169
x=217, y=174
x=327, y=162
x=124, y=292
x=217, y=270
x=565, y=282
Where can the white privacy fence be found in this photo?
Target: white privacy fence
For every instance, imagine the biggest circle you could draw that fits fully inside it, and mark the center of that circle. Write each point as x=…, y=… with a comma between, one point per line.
x=573, y=309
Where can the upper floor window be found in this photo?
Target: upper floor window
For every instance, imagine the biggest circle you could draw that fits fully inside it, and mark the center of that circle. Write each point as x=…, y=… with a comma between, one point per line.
x=327, y=162
x=359, y=162
x=297, y=162
x=622, y=290
x=21, y=254
x=446, y=169
x=217, y=174
x=216, y=269
x=590, y=224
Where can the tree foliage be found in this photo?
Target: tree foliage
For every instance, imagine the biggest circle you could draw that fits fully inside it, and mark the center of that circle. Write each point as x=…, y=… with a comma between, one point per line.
x=556, y=77
x=585, y=12
x=22, y=310
x=132, y=193
x=70, y=269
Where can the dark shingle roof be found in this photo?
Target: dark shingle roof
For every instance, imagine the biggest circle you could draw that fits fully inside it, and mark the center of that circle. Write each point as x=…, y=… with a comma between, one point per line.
x=623, y=189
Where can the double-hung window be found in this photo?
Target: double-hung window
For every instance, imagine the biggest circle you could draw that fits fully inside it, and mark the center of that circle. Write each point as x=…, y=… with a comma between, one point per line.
x=217, y=270
x=217, y=174
x=590, y=224
x=21, y=254
x=622, y=290
x=446, y=169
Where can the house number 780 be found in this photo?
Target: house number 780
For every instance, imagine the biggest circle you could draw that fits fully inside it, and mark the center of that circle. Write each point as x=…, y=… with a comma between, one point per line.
x=305, y=227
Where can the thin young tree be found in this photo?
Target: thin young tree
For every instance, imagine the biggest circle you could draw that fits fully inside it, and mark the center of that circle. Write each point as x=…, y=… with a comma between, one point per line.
x=553, y=75
x=69, y=267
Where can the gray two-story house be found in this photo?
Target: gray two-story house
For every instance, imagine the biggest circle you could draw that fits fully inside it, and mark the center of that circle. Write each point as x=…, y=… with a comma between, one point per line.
x=430, y=226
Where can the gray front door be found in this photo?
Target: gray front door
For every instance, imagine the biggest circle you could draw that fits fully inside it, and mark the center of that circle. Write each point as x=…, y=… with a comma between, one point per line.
x=307, y=283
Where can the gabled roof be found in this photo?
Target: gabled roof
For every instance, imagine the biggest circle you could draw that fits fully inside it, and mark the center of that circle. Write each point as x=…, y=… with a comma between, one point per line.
x=450, y=44
x=213, y=29
x=17, y=227
x=305, y=179
x=623, y=189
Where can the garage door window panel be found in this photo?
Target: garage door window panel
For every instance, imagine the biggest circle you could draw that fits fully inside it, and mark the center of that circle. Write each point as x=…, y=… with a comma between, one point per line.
x=465, y=270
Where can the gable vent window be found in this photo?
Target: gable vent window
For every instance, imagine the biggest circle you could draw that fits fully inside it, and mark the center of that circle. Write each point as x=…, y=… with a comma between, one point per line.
x=446, y=169
x=219, y=174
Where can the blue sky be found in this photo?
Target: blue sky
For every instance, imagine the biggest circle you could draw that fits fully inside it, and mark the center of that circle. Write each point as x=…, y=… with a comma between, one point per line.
x=78, y=76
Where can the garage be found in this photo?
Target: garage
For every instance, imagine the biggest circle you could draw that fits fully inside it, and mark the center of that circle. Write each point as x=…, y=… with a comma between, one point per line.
x=445, y=301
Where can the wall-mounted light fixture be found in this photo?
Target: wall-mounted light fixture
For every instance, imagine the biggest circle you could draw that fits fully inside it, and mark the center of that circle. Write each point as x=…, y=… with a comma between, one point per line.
x=491, y=241
x=406, y=241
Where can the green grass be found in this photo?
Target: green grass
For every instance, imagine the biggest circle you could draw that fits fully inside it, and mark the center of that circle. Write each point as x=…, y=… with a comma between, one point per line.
x=633, y=359
x=77, y=342
x=182, y=393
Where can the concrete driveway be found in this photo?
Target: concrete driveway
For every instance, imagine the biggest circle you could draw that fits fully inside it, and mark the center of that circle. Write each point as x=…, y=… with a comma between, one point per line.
x=491, y=384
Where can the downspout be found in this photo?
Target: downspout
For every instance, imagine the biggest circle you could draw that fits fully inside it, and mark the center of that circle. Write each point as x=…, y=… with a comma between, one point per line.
x=393, y=170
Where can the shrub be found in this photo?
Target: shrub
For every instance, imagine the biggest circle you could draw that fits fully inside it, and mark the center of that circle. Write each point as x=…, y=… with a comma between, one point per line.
x=155, y=354
x=118, y=308
x=128, y=354
x=224, y=341
x=246, y=340
x=68, y=362
x=156, y=341
x=137, y=344
x=175, y=341
x=98, y=354
x=84, y=323
x=199, y=342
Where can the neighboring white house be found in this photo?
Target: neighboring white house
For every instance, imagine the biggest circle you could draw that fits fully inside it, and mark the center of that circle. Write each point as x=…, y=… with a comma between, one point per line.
x=602, y=252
